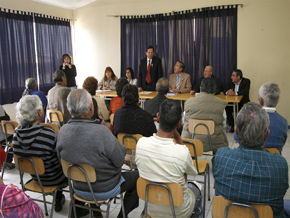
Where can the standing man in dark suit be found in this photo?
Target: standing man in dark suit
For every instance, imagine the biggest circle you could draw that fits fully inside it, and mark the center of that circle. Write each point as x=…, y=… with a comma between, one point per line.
x=238, y=86
x=207, y=73
x=150, y=70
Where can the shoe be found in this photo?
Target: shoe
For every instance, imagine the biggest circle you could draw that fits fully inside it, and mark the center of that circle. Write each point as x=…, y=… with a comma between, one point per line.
x=58, y=204
x=232, y=129
x=97, y=214
x=80, y=212
x=9, y=166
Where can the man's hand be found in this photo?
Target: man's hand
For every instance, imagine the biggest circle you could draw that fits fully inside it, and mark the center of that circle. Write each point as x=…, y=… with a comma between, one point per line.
x=192, y=92
x=177, y=137
x=231, y=92
x=140, y=89
x=174, y=90
x=105, y=88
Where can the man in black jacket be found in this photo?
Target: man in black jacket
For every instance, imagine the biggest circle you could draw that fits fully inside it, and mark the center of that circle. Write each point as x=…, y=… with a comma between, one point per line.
x=150, y=70
x=238, y=86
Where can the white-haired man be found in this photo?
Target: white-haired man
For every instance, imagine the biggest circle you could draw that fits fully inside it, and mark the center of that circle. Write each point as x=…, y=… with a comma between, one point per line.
x=84, y=141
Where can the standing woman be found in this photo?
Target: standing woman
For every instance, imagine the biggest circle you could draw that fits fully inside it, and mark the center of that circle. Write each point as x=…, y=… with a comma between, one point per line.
x=109, y=80
x=70, y=71
x=130, y=76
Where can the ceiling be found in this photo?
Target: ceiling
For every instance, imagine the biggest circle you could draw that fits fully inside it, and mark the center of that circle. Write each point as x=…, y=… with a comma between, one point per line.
x=68, y=4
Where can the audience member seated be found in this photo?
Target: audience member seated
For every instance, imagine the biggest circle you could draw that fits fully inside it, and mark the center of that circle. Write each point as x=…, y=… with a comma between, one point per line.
x=57, y=95
x=179, y=82
x=160, y=159
x=9, y=164
x=33, y=139
x=100, y=109
x=130, y=76
x=22, y=205
x=117, y=102
x=269, y=94
x=130, y=118
x=249, y=174
x=152, y=105
x=238, y=86
x=206, y=106
x=31, y=89
x=83, y=141
x=109, y=80
x=207, y=73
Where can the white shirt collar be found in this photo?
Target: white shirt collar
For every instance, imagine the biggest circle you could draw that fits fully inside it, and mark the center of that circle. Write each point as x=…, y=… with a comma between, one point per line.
x=270, y=109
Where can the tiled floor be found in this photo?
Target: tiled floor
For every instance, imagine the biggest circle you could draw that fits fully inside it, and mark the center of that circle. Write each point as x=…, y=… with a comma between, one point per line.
x=12, y=176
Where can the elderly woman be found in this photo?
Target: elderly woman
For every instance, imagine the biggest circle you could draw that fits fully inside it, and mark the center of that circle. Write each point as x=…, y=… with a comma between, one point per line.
x=109, y=80
x=130, y=118
x=33, y=139
x=102, y=113
x=31, y=89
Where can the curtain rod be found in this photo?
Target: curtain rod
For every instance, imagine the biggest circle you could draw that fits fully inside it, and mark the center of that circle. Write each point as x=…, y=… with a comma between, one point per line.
x=176, y=11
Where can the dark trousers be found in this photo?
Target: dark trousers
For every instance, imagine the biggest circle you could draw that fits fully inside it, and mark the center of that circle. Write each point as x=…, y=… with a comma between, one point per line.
x=131, y=199
x=229, y=112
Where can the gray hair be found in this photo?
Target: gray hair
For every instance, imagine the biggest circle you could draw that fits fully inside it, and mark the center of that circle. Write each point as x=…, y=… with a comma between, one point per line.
x=270, y=93
x=208, y=85
x=27, y=109
x=162, y=85
x=58, y=75
x=30, y=83
x=252, y=125
x=79, y=102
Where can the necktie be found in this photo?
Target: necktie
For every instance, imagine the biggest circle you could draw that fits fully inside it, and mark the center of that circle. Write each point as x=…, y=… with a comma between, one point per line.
x=178, y=82
x=148, y=77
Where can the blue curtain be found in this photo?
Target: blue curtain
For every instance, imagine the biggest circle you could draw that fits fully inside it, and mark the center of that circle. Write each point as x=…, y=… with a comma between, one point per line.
x=53, y=39
x=17, y=54
x=136, y=34
x=206, y=36
x=216, y=41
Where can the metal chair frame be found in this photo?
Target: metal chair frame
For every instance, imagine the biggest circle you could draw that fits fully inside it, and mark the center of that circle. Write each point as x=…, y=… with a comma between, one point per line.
x=240, y=205
x=208, y=133
x=49, y=112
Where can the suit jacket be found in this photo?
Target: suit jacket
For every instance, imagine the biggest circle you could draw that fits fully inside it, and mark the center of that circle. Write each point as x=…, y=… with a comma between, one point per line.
x=206, y=107
x=244, y=89
x=217, y=82
x=56, y=97
x=152, y=105
x=155, y=73
x=185, y=83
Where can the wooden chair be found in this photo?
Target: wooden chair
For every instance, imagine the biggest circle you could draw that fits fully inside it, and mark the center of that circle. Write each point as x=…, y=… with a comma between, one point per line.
x=195, y=148
x=112, y=119
x=130, y=141
x=8, y=128
x=55, y=116
x=35, y=165
x=52, y=126
x=223, y=208
x=85, y=173
x=170, y=194
x=203, y=127
x=272, y=150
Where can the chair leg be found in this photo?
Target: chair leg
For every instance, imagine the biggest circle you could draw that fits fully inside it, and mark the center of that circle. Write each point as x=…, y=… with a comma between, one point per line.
x=208, y=180
x=204, y=193
x=70, y=210
x=53, y=202
x=108, y=210
x=122, y=204
x=3, y=165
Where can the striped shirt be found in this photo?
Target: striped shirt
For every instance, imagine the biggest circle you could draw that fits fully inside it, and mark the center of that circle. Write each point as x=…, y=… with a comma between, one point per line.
x=38, y=141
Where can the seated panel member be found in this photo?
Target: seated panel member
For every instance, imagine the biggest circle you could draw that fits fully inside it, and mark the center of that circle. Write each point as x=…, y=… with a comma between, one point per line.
x=179, y=82
x=160, y=159
x=152, y=105
x=269, y=94
x=84, y=141
x=207, y=73
x=249, y=174
x=238, y=86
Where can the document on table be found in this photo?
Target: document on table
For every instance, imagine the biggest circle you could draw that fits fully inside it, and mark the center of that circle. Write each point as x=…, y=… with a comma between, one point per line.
x=145, y=93
x=109, y=90
x=171, y=93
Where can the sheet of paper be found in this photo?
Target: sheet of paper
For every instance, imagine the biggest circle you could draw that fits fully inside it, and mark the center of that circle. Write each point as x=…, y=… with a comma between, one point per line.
x=109, y=90
x=145, y=93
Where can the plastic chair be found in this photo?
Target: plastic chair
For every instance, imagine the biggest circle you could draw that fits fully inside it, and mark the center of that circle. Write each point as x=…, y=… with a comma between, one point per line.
x=195, y=148
x=8, y=128
x=223, y=208
x=55, y=116
x=35, y=165
x=85, y=173
x=160, y=193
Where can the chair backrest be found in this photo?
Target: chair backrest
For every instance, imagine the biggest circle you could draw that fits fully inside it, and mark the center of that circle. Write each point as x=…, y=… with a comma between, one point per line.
x=201, y=129
x=112, y=118
x=55, y=116
x=237, y=210
x=75, y=172
x=27, y=165
x=8, y=126
x=52, y=126
x=158, y=194
x=194, y=144
x=129, y=140
x=272, y=150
